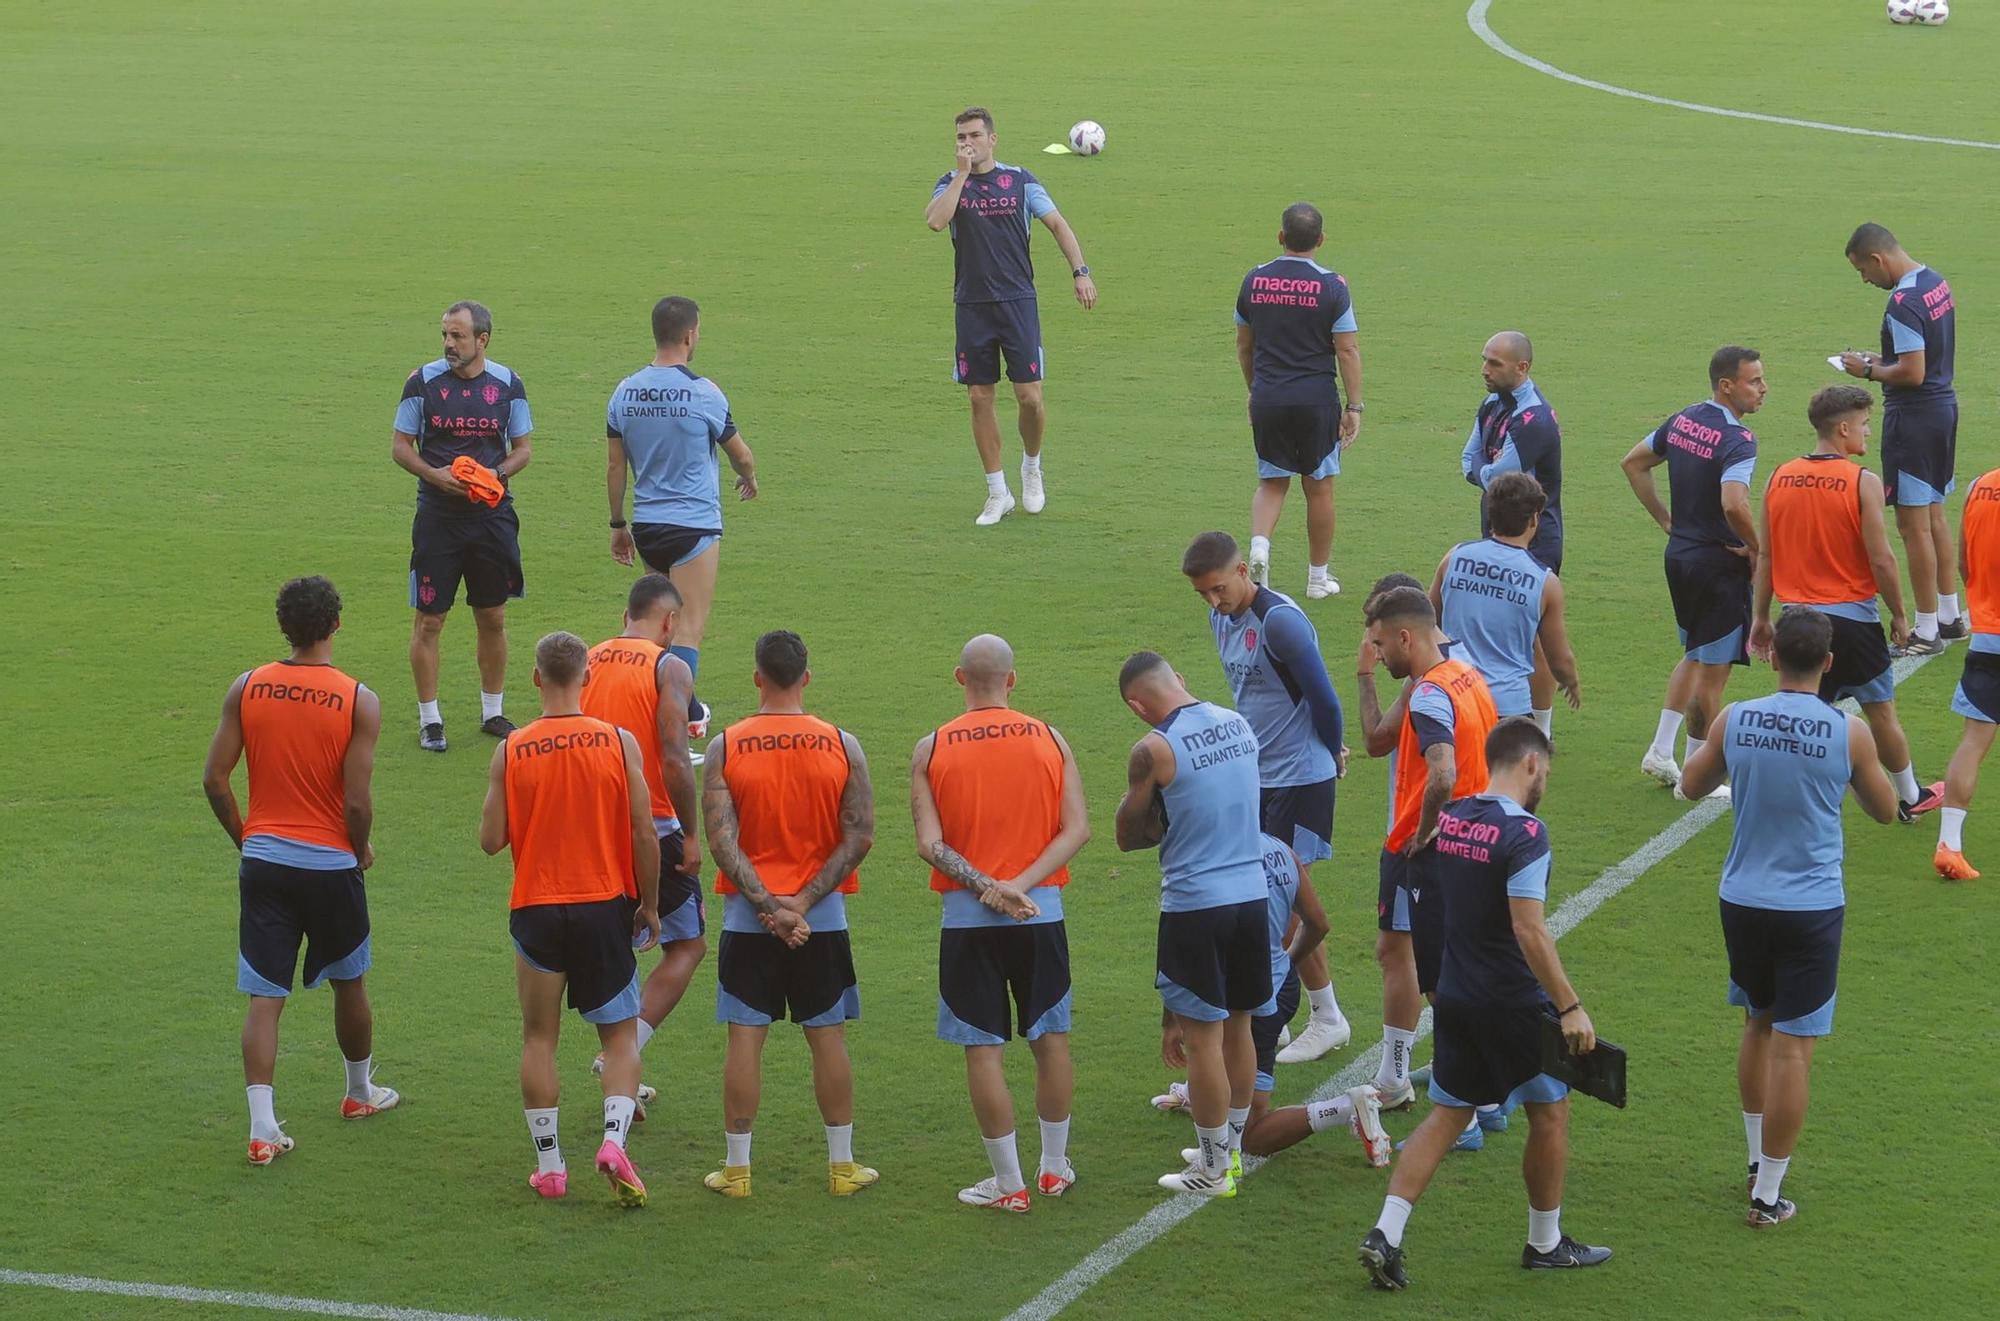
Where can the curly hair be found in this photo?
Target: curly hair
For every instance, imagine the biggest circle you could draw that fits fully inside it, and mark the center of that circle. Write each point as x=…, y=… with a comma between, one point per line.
x=308, y=610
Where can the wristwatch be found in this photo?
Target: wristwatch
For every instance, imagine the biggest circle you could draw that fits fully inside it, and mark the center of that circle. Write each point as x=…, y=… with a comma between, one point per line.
x=1079, y=272
x=1868, y=370
x=617, y=523
x=1357, y=407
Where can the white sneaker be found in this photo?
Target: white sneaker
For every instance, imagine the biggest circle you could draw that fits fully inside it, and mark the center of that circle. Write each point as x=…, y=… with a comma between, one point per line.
x=1284, y=1036
x=1661, y=767
x=1320, y=588
x=1392, y=1099
x=987, y=1193
x=997, y=507
x=1194, y=1179
x=1319, y=1038
x=1720, y=793
x=1032, y=495
x=1367, y=1124
x=1174, y=1098
x=1260, y=568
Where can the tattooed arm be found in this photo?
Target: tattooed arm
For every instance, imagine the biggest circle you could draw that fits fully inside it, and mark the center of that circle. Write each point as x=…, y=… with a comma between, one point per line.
x=857, y=832
x=932, y=848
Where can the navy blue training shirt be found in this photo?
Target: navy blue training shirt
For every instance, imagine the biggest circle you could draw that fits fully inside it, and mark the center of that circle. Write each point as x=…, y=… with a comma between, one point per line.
x=1489, y=850
x=1704, y=445
x=1294, y=306
x=1519, y=431
x=1920, y=317
x=989, y=234
x=449, y=415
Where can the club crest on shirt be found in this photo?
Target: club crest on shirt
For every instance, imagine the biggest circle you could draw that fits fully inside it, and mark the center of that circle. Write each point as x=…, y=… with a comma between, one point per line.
x=1250, y=639
x=491, y=394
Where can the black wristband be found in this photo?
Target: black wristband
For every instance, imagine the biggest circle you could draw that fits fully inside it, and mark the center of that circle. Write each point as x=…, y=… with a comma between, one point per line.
x=1868, y=370
x=1565, y=1013
x=617, y=523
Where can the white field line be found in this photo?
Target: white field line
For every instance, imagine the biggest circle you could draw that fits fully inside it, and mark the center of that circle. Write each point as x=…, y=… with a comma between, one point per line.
x=268, y=1302
x=1115, y=1251
x=1475, y=18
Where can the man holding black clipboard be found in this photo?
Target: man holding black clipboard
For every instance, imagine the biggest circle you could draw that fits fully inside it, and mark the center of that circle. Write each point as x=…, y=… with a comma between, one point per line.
x=1499, y=983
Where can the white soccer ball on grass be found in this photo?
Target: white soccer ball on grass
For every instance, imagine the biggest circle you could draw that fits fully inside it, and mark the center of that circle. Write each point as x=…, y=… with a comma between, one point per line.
x=1086, y=137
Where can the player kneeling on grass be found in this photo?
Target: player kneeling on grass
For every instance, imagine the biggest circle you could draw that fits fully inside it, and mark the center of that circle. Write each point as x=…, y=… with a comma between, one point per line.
x=1499, y=983
x=1978, y=695
x=310, y=734
x=1268, y=1131
x=568, y=793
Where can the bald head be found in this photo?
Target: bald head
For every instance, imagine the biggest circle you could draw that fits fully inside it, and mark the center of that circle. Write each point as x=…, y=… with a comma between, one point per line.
x=1504, y=362
x=1513, y=345
x=986, y=669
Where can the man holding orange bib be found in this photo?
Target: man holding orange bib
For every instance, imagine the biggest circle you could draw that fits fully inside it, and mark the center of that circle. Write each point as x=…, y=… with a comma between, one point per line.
x=999, y=812
x=310, y=733
x=568, y=793
x=789, y=813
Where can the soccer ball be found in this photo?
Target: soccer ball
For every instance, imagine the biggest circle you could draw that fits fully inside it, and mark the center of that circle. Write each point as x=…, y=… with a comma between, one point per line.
x=1086, y=136
x=1930, y=13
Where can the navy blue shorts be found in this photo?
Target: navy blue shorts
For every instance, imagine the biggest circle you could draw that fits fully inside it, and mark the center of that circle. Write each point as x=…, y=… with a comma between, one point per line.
x=681, y=915
x=1490, y=1054
x=1400, y=906
x=591, y=945
x=484, y=550
x=1392, y=896
x=1861, y=663
x=1978, y=695
x=1919, y=452
x=1265, y=1029
x=988, y=330
x=759, y=979
x=1214, y=962
x=1710, y=588
x=984, y=972
x=1295, y=438
x=281, y=907
x=667, y=546
x=1784, y=966
x=1301, y=815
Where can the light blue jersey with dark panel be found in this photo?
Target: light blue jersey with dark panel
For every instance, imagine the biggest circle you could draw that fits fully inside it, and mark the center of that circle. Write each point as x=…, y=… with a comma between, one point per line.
x=1491, y=595
x=1788, y=771
x=670, y=422
x=1270, y=653
x=1281, y=882
x=1213, y=853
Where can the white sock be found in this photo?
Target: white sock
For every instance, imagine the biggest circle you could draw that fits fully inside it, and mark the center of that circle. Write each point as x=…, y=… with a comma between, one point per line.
x=1753, y=1134
x=1322, y=1115
x=1694, y=745
x=1770, y=1177
x=548, y=1150
x=1906, y=782
x=1393, y=1074
x=1951, y=828
x=1214, y=1144
x=840, y=1144
x=427, y=713
x=1006, y=1160
x=1031, y=463
x=1260, y=548
x=1471, y=1122
x=1238, y=1121
x=263, y=1115
x=996, y=483
x=1325, y=1009
x=1948, y=608
x=646, y=1031
x=1055, y=1145
x=1926, y=625
x=1545, y=719
x=1544, y=1228
x=1316, y=573
x=357, y=1078
x=738, y=1147
x=1484, y=1110
x=1663, y=737
x=618, y=1111
x=490, y=704
x=1395, y=1215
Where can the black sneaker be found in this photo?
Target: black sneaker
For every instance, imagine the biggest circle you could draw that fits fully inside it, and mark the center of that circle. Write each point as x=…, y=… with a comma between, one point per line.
x=431, y=737
x=1566, y=1253
x=1958, y=630
x=1765, y=1214
x=1929, y=799
x=497, y=726
x=1384, y=1261
x=1750, y=1179
x=1920, y=646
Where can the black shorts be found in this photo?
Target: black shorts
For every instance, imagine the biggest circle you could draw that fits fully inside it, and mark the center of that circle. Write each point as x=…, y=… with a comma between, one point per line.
x=759, y=979
x=1265, y=1029
x=591, y=944
x=665, y=546
x=1302, y=816
x=282, y=906
x=484, y=550
x=980, y=969
x=988, y=330
x=1784, y=966
x=1482, y=1054
x=681, y=913
x=1426, y=920
x=1711, y=592
x=1214, y=962
x=1861, y=663
x=1392, y=895
x=1978, y=694
x=1295, y=437
x=1919, y=452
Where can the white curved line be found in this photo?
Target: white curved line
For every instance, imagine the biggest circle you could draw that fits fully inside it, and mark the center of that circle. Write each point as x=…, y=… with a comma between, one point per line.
x=1475, y=18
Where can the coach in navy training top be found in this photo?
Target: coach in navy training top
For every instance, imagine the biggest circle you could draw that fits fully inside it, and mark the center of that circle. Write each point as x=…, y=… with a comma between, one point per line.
x=1919, y=424
x=1516, y=430
x=989, y=208
x=462, y=406
x=1294, y=323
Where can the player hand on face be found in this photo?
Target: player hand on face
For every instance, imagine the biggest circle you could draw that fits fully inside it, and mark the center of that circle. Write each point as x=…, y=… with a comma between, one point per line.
x=1578, y=1032
x=963, y=163
x=645, y=927
x=621, y=545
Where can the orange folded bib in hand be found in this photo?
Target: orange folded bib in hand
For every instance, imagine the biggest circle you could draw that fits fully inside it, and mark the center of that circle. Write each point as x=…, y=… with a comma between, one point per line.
x=482, y=484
